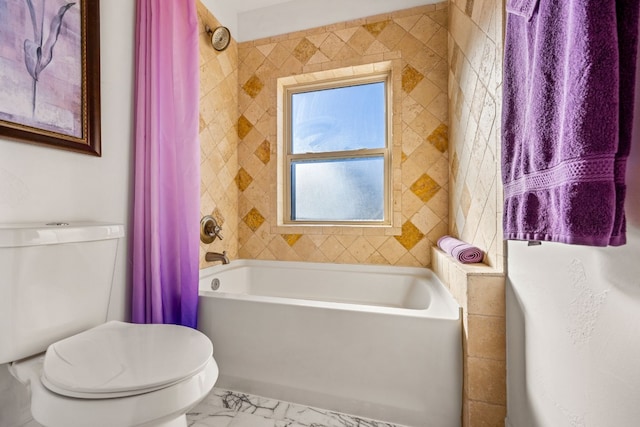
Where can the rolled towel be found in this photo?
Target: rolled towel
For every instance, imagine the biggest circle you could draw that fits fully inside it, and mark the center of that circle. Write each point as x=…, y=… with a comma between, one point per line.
x=462, y=251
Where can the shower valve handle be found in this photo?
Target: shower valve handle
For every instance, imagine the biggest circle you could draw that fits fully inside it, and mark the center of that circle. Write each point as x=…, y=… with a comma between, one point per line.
x=209, y=229
x=217, y=232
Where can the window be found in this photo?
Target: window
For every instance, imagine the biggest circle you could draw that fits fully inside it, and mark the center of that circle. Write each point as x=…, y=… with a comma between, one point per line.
x=336, y=156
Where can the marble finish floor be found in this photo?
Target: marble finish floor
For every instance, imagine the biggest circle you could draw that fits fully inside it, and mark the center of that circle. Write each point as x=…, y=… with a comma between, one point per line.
x=223, y=408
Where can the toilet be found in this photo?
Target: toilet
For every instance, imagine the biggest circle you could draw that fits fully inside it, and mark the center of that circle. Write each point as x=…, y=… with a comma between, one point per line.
x=55, y=287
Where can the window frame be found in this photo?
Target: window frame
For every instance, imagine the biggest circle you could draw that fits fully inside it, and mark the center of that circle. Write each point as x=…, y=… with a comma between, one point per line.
x=288, y=157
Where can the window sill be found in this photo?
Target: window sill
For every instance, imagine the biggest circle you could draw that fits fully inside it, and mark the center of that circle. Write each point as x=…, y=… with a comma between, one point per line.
x=356, y=229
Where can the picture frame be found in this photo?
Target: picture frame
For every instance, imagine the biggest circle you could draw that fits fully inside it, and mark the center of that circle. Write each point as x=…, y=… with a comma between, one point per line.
x=50, y=73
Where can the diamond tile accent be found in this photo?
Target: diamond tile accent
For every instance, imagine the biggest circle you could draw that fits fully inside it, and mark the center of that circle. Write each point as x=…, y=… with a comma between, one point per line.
x=263, y=152
x=410, y=78
x=439, y=138
x=291, y=239
x=304, y=50
x=425, y=188
x=243, y=179
x=376, y=28
x=244, y=127
x=253, y=219
x=253, y=86
x=410, y=236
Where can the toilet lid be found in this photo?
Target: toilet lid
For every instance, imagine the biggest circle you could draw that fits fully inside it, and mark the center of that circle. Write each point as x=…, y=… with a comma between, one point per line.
x=120, y=359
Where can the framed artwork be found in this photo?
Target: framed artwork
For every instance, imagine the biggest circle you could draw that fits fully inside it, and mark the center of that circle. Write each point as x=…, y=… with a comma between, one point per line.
x=50, y=73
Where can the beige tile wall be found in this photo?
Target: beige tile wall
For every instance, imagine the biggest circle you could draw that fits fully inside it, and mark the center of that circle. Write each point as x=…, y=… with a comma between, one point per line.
x=479, y=289
x=441, y=187
x=218, y=137
x=475, y=208
x=416, y=41
x=475, y=86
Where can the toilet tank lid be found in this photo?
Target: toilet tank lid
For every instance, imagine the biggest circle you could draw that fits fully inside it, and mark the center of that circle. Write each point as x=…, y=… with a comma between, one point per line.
x=34, y=234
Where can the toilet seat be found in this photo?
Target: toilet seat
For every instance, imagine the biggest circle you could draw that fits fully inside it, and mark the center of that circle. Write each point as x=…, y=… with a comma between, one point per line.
x=121, y=359
x=164, y=407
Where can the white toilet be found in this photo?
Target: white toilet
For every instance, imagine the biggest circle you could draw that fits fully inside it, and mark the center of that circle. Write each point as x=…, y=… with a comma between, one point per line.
x=55, y=285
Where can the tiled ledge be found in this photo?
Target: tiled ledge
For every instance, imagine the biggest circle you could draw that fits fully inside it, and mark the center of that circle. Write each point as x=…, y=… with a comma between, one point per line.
x=479, y=289
x=444, y=261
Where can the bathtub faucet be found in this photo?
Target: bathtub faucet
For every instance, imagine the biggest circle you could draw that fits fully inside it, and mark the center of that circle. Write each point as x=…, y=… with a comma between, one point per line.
x=215, y=256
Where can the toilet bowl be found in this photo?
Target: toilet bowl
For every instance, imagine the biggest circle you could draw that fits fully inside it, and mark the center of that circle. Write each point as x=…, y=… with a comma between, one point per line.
x=120, y=374
x=81, y=369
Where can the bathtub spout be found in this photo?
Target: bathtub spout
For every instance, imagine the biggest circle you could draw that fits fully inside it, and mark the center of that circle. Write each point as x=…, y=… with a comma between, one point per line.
x=215, y=256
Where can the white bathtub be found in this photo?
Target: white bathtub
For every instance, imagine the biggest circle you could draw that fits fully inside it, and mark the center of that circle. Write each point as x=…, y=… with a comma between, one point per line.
x=374, y=341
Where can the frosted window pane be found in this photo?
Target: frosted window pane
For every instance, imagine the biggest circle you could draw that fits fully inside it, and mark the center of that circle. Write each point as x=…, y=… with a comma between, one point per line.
x=338, y=119
x=338, y=190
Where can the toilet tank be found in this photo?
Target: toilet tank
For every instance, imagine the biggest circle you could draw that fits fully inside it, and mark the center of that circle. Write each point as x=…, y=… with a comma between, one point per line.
x=55, y=281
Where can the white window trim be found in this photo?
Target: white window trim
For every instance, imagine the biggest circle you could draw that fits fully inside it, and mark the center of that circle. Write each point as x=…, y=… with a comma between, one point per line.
x=369, y=73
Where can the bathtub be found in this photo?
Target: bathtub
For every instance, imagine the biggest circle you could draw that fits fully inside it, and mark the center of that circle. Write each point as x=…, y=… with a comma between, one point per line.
x=372, y=341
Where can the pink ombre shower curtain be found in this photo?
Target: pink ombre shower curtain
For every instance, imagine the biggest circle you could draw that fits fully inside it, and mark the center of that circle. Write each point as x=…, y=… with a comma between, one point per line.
x=167, y=165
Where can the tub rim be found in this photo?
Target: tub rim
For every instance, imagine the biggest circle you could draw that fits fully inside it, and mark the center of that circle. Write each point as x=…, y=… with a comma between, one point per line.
x=446, y=308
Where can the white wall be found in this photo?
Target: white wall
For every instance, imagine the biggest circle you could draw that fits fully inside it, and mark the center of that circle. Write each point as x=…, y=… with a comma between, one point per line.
x=573, y=326
x=43, y=184
x=281, y=17
x=226, y=13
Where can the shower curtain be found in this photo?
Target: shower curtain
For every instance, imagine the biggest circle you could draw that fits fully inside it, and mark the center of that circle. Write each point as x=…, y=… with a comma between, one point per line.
x=167, y=165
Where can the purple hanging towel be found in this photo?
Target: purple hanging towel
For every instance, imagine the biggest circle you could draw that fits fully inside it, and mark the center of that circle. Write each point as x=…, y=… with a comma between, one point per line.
x=569, y=79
